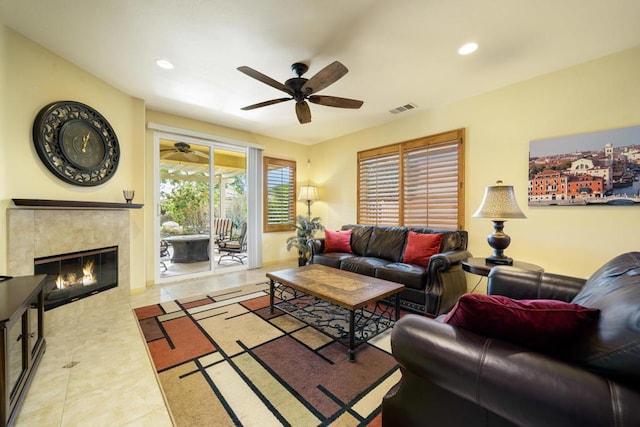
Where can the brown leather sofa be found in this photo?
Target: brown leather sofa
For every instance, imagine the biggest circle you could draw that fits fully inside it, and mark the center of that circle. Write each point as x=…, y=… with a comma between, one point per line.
x=378, y=252
x=454, y=377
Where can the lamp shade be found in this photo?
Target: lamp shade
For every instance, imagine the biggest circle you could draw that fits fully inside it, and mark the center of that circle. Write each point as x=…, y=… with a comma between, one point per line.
x=499, y=203
x=308, y=192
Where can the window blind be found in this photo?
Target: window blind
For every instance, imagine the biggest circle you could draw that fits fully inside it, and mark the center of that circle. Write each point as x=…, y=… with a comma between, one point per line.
x=431, y=186
x=280, y=206
x=416, y=183
x=379, y=178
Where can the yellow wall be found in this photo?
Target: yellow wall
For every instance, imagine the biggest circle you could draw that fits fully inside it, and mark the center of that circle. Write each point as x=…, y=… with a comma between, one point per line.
x=32, y=77
x=597, y=95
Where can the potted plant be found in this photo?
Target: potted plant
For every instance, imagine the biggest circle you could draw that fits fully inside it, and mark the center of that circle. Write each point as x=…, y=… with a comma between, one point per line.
x=306, y=227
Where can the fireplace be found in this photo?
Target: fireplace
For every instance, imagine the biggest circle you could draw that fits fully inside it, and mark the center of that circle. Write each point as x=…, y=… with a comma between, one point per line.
x=76, y=275
x=38, y=233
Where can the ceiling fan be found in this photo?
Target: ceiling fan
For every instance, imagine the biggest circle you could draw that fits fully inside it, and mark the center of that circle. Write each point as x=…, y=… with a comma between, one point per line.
x=185, y=150
x=301, y=89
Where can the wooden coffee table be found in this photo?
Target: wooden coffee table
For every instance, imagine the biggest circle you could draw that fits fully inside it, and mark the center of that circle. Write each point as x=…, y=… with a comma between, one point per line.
x=345, y=289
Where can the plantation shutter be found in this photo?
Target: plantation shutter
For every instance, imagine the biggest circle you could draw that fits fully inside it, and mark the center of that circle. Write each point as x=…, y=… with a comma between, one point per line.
x=280, y=204
x=416, y=183
x=431, y=186
x=379, y=178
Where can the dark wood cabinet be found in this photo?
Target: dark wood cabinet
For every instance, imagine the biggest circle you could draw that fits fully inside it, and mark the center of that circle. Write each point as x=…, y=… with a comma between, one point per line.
x=22, y=343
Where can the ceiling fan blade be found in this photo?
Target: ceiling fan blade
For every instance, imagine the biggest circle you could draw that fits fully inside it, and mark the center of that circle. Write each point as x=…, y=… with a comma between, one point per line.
x=325, y=77
x=303, y=112
x=167, y=153
x=200, y=154
x=264, y=79
x=192, y=156
x=265, y=103
x=334, y=101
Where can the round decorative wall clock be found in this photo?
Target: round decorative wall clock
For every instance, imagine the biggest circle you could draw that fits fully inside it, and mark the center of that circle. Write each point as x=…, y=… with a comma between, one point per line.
x=76, y=143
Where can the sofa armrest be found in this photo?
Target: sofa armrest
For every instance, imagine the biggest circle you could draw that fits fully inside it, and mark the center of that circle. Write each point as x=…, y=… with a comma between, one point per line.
x=316, y=246
x=445, y=281
x=522, y=386
x=522, y=284
x=445, y=260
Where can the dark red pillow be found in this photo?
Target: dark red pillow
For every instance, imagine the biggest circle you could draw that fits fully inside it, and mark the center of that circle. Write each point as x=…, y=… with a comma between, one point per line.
x=539, y=324
x=337, y=241
x=421, y=247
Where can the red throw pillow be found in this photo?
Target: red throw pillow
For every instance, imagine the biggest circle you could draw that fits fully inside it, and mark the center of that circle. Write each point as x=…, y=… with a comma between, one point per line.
x=337, y=241
x=539, y=324
x=421, y=247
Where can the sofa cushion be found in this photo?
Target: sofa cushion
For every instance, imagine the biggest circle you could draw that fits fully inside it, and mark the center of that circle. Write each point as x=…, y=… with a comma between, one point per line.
x=331, y=259
x=387, y=243
x=337, y=241
x=360, y=235
x=421, y=247
x=612, y=346
x=451, y=240
x=538, y=324
x=363, y=265
x=410, y=275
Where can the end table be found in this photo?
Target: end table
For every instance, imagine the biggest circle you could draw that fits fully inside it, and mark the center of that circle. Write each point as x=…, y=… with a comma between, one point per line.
x=481, y=267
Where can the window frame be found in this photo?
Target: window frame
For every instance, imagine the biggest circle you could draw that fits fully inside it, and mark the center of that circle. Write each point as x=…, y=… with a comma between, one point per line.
x=290, y=224
x=442, y=142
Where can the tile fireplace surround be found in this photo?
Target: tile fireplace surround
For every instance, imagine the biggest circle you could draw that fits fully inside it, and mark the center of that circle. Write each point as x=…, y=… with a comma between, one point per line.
x=35, y=233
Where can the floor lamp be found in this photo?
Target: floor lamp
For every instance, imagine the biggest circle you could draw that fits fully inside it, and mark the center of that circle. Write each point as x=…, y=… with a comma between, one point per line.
x=308, y=193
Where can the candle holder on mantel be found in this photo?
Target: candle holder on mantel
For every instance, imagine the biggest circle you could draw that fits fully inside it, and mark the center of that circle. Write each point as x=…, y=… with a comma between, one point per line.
x=128, y=195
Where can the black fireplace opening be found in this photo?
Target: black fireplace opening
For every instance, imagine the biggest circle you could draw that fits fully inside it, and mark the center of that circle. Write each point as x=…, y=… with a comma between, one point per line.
x=77, y=275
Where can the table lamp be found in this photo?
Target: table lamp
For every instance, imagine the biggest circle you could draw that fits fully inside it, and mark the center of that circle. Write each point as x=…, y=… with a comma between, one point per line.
x=499, y=204
x=308, y=193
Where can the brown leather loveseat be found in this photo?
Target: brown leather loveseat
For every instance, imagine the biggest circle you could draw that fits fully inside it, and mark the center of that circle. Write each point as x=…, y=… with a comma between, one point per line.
x=455, y=377
x=378, y=251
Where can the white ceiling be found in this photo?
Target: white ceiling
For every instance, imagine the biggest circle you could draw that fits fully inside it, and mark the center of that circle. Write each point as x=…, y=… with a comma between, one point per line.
x=397, y=52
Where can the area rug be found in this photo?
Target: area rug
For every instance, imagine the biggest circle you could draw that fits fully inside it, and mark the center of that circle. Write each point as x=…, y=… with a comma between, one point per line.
x=222, y=359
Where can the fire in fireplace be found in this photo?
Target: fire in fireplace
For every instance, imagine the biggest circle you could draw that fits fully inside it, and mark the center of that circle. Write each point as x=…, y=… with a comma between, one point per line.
x=77, y=275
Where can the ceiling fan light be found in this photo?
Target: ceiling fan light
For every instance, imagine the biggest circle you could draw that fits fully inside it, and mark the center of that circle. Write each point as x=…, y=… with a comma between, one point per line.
x=468, y=48
x=164, y=63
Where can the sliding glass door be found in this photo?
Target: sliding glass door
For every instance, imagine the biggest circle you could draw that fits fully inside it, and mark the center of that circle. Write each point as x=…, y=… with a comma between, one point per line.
x=202, y=207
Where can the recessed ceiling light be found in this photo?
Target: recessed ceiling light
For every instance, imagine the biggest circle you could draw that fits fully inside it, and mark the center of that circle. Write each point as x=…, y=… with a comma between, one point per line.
x=163, y=63
x=468, y=48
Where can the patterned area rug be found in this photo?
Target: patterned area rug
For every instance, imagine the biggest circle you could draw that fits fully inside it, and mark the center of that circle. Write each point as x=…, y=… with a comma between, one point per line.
x=222, y=359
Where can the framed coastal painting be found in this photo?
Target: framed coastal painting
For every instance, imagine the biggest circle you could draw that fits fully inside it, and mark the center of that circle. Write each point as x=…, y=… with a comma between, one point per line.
x=589, y=169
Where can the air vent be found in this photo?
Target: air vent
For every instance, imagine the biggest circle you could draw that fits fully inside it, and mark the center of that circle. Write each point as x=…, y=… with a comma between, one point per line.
x=403, y=108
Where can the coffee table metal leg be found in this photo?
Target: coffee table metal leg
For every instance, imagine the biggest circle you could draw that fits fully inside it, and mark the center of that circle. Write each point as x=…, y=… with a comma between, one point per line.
x=397, y=308
x=352, y=335
x=271, y=290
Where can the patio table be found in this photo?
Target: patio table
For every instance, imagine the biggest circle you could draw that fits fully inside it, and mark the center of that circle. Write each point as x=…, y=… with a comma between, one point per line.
x=189, y=248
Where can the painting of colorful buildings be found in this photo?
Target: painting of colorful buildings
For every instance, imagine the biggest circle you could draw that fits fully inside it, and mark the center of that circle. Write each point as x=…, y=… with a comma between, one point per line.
x=586, y=169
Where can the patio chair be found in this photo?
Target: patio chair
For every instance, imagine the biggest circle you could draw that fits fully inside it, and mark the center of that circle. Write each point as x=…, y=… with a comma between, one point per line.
x=222, y=228
x=234, y=249
x=164, y=254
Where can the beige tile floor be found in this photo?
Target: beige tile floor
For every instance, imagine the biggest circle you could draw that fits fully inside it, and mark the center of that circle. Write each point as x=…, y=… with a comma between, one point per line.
x=174, y=270
x=96, y=371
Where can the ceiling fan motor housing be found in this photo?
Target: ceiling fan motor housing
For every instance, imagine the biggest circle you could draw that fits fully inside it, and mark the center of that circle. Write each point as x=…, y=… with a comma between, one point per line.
x=299, y=68
x=183, y=147
x=295, y=85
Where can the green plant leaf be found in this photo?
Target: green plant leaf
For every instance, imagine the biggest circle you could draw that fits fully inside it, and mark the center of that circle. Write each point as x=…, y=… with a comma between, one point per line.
x=306, y=228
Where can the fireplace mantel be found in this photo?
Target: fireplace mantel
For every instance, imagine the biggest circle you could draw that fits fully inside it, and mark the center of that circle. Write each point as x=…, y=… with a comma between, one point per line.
x=73, y=204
